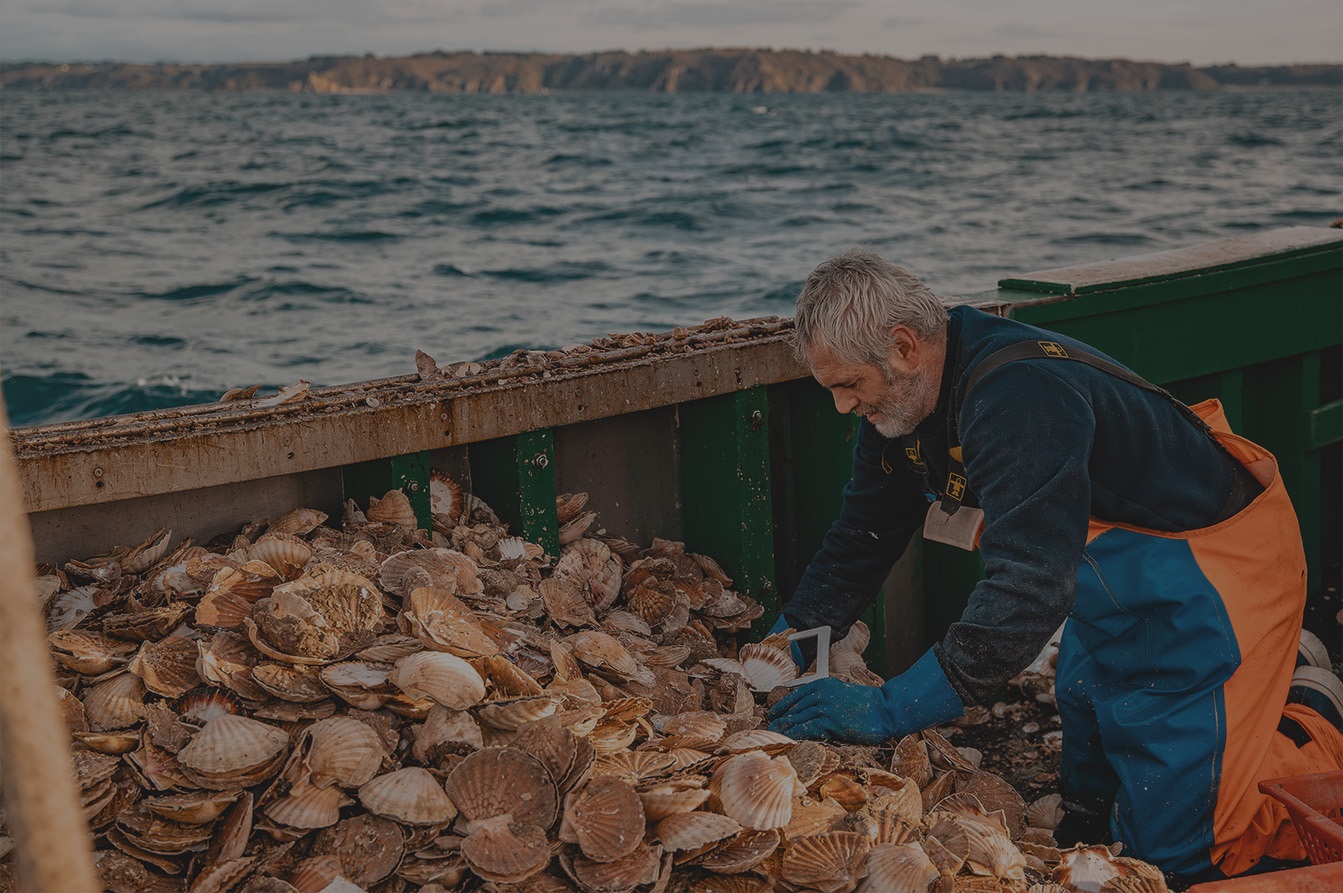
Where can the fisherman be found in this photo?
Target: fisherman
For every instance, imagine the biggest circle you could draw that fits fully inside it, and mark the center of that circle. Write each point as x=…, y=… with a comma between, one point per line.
x=1167, y=542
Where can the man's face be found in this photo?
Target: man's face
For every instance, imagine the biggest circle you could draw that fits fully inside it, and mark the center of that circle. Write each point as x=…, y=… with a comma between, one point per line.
x=893, y=400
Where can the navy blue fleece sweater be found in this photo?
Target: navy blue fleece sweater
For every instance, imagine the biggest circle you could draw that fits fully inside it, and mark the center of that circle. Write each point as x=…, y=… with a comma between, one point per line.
x=1047, y=444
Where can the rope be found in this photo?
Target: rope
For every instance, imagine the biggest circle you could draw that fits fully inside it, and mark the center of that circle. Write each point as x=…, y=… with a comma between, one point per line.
x=41, y=798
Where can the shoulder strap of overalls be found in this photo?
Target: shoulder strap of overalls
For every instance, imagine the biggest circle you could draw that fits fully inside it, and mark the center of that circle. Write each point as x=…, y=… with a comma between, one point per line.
x=1034, y=350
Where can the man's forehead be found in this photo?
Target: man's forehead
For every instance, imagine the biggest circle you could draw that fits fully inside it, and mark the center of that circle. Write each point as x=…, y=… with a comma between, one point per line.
x=829, y=370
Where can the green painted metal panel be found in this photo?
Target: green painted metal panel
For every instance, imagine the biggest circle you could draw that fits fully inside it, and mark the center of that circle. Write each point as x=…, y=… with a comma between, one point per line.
x=409, y=474
x=1210, y=333
x=726, y=499
x=1325, y=425
x=516, y=477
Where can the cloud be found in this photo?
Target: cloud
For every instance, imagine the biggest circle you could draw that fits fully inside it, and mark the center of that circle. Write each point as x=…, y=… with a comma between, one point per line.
x=726, y=13
x=903, y=22
x=498, y=9
x=1018, y=31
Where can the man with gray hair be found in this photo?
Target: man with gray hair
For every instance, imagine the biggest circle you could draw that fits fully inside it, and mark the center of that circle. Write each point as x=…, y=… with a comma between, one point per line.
x=1168, y=543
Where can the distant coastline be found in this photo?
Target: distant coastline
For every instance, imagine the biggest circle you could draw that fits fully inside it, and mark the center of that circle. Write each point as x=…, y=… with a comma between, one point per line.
x=666, y=71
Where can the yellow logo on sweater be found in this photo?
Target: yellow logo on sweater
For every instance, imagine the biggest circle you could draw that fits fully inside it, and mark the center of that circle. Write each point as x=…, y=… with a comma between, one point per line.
x=955, y=486
x=1053, y=349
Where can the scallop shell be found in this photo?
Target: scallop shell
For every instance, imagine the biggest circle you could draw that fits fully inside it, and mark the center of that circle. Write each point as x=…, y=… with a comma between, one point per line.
x=574, y=528
x=835, y=859
x=672, y=797
x=115, y=703
x=757, y=791
x=634, y=766
x=439, y=568
x=589, y=564
x=442, y=678
x=844, y=789
x=284, y=552
x=692, y=830
x=393, y=508
x=233, y=752
x=568, y=505
x=443, y=623
x=1045, y=812
x=898, y=868
x=605, y=819
x=317, y=618
x=411, y=795
x=317, y=874
x=298, y=684
x=369, y=846
x=359, y=683
x=565, y=603
x=223, y=608
x=743, y=852
x=308, y=806
x=141, y=558
x=168, y=666
x=755, y=739
x=445, y=732
x=603, y=652
x=642, y=867
x=1085, y=869
x=510, y=714
x=992, y=852
x=506, y=678
x=88, y=653
x=445, y=496
x=204, y=704
x=911, y=760
x=297, y=522
x=996, y=794
x=342, y=751
x=504, y=851
x=503, y=781
x=195, y=808
x=766, y=667
x=108, y=742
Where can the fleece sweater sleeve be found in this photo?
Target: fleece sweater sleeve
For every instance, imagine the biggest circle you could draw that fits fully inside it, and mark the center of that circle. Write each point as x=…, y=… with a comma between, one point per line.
x=1026, y=437
x=883, y=506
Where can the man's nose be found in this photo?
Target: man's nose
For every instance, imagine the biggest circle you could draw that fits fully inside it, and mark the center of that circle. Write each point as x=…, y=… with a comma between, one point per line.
x=844, y=403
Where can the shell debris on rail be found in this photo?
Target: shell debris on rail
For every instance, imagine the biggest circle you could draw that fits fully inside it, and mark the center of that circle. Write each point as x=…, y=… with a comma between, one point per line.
x=307, y=705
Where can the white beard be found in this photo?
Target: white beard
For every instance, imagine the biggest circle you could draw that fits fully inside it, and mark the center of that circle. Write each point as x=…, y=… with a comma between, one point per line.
x=903, y=407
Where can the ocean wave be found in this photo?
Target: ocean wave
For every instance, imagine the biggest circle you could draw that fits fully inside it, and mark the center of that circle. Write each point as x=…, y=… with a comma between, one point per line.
x=64, y=396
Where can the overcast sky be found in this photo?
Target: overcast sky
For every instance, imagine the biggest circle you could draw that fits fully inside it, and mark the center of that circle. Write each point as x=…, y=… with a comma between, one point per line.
x=1201, y=31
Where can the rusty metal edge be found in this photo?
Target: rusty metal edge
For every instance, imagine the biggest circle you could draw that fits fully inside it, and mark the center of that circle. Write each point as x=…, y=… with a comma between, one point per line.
x=91, y=472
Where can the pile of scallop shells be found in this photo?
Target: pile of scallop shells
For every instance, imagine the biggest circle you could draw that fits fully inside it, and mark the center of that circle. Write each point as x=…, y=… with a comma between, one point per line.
x=301, y=707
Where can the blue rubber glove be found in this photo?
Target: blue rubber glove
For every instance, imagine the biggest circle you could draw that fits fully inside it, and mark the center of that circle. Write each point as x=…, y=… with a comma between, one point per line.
x=828, y=708
x=796, y=650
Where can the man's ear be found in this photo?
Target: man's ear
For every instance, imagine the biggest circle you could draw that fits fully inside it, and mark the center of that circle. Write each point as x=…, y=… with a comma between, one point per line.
x=905, y=354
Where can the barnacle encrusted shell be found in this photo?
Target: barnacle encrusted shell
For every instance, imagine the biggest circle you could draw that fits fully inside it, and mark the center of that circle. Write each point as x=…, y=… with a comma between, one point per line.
x=756, y=790
x=442, y=678
x=319, y=617
x=411, y=795
x=444, y=623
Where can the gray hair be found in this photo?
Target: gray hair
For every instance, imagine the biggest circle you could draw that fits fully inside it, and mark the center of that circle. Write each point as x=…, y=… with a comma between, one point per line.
x=850, y=303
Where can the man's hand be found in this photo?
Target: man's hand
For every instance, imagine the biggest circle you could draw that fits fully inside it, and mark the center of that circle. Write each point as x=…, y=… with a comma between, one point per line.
x=828, y=708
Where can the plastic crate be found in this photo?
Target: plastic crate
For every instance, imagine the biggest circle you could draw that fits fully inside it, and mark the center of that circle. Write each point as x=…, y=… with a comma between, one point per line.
x=1315, y=803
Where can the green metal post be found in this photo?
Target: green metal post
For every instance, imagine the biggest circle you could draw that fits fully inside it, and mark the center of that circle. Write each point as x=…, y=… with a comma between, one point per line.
x=409, y=474
x=516, y=477
x=726, y=503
